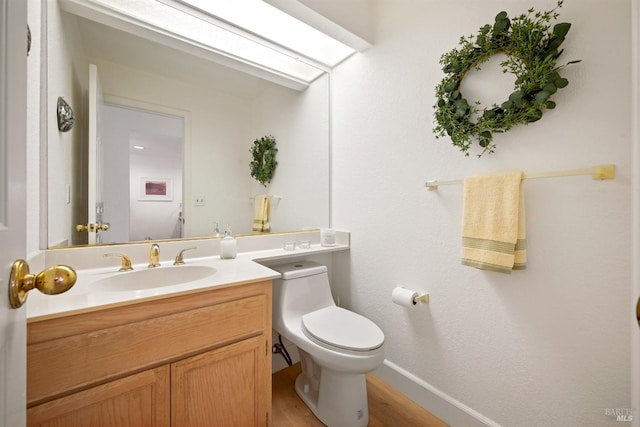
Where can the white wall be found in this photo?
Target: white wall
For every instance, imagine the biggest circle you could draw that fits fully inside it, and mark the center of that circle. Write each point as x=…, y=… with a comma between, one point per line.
x=151, y=218
x=545, y=346
x=66, y=148
x=299, y=121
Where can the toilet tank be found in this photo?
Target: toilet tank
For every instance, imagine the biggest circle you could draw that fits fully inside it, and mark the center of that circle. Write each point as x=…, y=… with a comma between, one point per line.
x=303, y=288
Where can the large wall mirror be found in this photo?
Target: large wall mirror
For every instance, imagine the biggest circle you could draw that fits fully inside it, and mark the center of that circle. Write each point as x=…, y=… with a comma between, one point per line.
x=196, y=120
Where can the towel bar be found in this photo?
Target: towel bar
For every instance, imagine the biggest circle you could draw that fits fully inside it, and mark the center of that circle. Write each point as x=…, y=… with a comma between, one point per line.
x=272, y=197
x=600, y=172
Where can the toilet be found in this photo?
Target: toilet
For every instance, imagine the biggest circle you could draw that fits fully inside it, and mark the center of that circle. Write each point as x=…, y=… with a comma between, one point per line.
x=337, y=347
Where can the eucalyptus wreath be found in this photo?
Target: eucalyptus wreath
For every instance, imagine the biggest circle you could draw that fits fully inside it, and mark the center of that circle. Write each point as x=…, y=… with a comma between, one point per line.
x=532, y=50
x=263, y=159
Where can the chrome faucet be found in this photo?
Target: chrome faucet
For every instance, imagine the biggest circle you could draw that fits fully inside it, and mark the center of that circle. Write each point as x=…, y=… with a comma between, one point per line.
x=154, y=256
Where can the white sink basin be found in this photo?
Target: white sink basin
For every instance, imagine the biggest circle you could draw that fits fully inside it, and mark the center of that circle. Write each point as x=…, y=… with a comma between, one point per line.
x=152, y=278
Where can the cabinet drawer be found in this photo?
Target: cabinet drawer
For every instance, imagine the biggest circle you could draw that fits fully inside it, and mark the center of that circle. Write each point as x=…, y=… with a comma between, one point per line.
x=72, y=363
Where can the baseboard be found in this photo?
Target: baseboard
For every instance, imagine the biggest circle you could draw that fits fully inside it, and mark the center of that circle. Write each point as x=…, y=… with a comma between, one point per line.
x=440, y=404
x=435, y=401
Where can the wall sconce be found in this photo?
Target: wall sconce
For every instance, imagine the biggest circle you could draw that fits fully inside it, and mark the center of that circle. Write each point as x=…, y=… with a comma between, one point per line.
x=66, y=119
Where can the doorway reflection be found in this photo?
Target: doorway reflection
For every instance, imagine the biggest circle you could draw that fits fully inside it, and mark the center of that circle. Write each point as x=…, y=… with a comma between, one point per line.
x=143, y=182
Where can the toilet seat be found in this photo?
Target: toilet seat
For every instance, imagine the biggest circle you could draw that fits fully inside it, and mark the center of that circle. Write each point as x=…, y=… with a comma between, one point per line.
x=336, y=327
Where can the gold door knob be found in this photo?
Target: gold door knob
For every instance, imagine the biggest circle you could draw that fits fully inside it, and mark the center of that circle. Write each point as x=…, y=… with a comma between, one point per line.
x=92, y=227
x=88, y=227
x=52, y=281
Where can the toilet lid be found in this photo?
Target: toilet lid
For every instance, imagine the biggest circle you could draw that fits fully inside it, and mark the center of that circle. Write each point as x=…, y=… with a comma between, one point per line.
x=342, y=328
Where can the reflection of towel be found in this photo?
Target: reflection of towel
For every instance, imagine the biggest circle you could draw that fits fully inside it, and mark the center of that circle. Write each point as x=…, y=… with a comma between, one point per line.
x=493, y=223
x=261, y=213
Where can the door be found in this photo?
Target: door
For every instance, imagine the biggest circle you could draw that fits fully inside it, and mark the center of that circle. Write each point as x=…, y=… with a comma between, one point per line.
x=95, y=169
x=222, y=387
x=138, y=400
x=13, y=164
x=635, y=210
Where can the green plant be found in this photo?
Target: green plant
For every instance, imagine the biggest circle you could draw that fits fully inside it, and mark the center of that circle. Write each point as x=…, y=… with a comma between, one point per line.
x=532, y=50
x=263, y=159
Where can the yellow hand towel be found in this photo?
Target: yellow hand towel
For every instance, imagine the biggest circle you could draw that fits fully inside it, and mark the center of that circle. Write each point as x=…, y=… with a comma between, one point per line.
x=261, y=214
x=493, y=222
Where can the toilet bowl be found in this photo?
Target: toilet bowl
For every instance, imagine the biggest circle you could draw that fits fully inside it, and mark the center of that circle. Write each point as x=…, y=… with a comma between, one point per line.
x=337, y=347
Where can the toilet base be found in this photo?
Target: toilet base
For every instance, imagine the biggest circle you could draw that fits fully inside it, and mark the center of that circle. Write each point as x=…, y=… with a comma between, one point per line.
x=338, y=399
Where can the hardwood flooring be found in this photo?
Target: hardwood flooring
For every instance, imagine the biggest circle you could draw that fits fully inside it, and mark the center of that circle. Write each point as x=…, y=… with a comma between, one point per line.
x=387, y=406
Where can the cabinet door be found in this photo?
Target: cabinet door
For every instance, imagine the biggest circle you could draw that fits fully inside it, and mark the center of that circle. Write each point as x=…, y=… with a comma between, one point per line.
x=139, y=400
x=228, y=386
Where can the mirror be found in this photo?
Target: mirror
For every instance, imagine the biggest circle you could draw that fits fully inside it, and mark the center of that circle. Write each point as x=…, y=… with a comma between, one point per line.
x=146, y=168
x=222, y=110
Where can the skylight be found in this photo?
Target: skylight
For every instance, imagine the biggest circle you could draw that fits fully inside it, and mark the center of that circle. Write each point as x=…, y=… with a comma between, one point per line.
x=270, y=23
x=246, y=34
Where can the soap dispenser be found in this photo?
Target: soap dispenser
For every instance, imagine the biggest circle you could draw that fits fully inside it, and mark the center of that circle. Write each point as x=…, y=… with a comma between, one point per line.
x=216, y=230
x=228, y=249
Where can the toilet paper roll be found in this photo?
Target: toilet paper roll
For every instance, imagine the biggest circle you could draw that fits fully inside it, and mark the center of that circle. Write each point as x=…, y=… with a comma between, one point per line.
x=404, y=297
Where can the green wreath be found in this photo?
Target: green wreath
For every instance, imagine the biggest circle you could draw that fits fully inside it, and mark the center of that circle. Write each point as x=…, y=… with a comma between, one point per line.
x=532, y=50
x=263, y=159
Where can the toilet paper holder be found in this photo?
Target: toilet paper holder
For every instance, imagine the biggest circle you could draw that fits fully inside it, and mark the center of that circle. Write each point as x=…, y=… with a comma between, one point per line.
x=421, y=298
x=408, y=297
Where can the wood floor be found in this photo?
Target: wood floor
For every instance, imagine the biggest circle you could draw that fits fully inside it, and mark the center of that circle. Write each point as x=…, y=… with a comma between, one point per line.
x=387, y=407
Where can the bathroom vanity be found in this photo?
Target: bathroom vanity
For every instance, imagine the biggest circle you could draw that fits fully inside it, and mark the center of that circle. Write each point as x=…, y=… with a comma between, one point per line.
x=185, y=345
x=193, y=358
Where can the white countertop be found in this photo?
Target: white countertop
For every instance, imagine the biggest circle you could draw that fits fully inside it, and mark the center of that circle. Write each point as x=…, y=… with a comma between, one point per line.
x=81, y=297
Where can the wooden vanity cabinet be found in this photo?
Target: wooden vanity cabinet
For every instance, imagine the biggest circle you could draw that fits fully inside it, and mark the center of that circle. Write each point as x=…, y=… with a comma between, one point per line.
x=199, y=359
x=140, y=399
